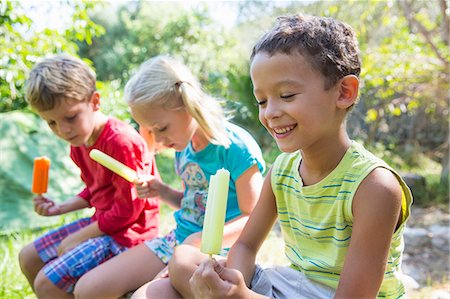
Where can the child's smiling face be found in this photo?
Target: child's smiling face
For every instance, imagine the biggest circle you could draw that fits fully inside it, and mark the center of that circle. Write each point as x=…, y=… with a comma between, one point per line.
x=293, y=104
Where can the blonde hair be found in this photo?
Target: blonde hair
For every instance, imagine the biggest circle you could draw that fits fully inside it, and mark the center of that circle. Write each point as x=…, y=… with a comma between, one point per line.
x=168, y=83
x=57, y=78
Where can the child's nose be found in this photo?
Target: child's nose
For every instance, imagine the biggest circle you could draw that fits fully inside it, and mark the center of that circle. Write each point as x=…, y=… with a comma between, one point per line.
x=272, y=110
x=64, y=128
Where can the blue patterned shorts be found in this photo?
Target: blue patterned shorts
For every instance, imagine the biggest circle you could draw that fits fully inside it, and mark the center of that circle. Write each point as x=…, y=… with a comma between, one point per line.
x=65, y=270
x=163, y=247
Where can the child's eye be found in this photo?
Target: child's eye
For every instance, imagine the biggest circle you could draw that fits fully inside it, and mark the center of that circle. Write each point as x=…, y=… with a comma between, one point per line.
x=162, y=129
x=71, y=118
x=261, y=102
x=51, y=123
x=287, y=96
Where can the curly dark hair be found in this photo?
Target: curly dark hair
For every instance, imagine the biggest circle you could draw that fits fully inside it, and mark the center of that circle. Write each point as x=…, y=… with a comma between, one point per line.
x=329, y=45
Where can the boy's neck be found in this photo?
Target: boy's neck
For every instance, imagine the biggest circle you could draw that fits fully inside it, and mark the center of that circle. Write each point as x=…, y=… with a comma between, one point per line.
x=317, y=163
x=100, y=121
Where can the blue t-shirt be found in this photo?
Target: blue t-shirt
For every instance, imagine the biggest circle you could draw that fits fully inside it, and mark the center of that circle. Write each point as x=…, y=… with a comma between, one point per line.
x=195, y=169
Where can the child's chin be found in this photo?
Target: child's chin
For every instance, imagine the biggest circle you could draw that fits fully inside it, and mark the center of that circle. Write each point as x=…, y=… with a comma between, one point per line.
x=287, y=149
x=76, y=143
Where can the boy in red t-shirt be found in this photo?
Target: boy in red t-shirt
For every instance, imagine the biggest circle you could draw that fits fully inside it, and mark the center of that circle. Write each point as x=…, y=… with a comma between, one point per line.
x=62, y=91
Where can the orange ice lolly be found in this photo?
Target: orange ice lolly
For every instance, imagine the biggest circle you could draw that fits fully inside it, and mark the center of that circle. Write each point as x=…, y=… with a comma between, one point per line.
x=40, y=175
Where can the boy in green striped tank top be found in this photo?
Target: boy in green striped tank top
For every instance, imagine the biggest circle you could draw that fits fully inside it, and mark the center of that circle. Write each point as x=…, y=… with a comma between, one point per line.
x=342, y=211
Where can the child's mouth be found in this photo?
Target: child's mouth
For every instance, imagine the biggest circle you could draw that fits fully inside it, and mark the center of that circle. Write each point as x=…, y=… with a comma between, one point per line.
x=283, y=131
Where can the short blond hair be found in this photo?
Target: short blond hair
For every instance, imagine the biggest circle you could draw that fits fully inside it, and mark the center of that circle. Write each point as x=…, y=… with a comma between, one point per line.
x=56, y=78
x=168, y=83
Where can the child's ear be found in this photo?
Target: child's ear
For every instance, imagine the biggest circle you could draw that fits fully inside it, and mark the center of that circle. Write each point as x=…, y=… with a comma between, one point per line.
x=348, y=91
x=95, y=100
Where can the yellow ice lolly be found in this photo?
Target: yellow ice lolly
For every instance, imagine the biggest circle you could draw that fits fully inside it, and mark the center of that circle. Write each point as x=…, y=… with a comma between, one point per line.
x=41, y=168
x=114, y=165
x=216, y=206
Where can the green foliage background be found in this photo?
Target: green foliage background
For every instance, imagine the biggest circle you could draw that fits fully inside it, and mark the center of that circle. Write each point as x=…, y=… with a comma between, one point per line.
x=21, y=45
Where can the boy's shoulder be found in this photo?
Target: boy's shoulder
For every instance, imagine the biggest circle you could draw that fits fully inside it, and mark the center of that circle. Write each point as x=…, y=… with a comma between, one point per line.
x=118, y=133
x=360, y=154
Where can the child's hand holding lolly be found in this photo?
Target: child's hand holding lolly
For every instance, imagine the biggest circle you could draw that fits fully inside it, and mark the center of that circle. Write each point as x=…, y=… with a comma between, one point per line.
x=145, y=184
x=42, y=205
x=148, y=186
x=226, y=282
x=45, y=207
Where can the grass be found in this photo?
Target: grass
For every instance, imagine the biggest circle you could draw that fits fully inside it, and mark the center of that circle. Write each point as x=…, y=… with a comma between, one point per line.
x=14, y=285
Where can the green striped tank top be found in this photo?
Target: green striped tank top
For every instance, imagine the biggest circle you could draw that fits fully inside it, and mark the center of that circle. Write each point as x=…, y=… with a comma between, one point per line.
x=316, y=221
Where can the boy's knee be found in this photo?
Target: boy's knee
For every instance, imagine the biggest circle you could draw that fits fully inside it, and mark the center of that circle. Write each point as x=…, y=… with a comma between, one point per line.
x=23, y=257
x=184, y=262
x=27, y=256
x=82, y=288
x=176, y=253
x=88, y=286
x=182, y=255
x=177, y=265
x=42, y=285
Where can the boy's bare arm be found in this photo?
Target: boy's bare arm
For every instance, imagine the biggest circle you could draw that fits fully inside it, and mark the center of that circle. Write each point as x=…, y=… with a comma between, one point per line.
x=243, y=253
x=73, y=204
x=376, y=211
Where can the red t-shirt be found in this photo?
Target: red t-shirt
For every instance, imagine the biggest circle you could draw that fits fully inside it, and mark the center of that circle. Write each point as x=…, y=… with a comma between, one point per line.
x=119, y=212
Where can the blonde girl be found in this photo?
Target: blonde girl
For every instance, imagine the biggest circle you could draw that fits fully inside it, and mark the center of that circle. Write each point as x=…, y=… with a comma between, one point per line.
x=167, y=99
